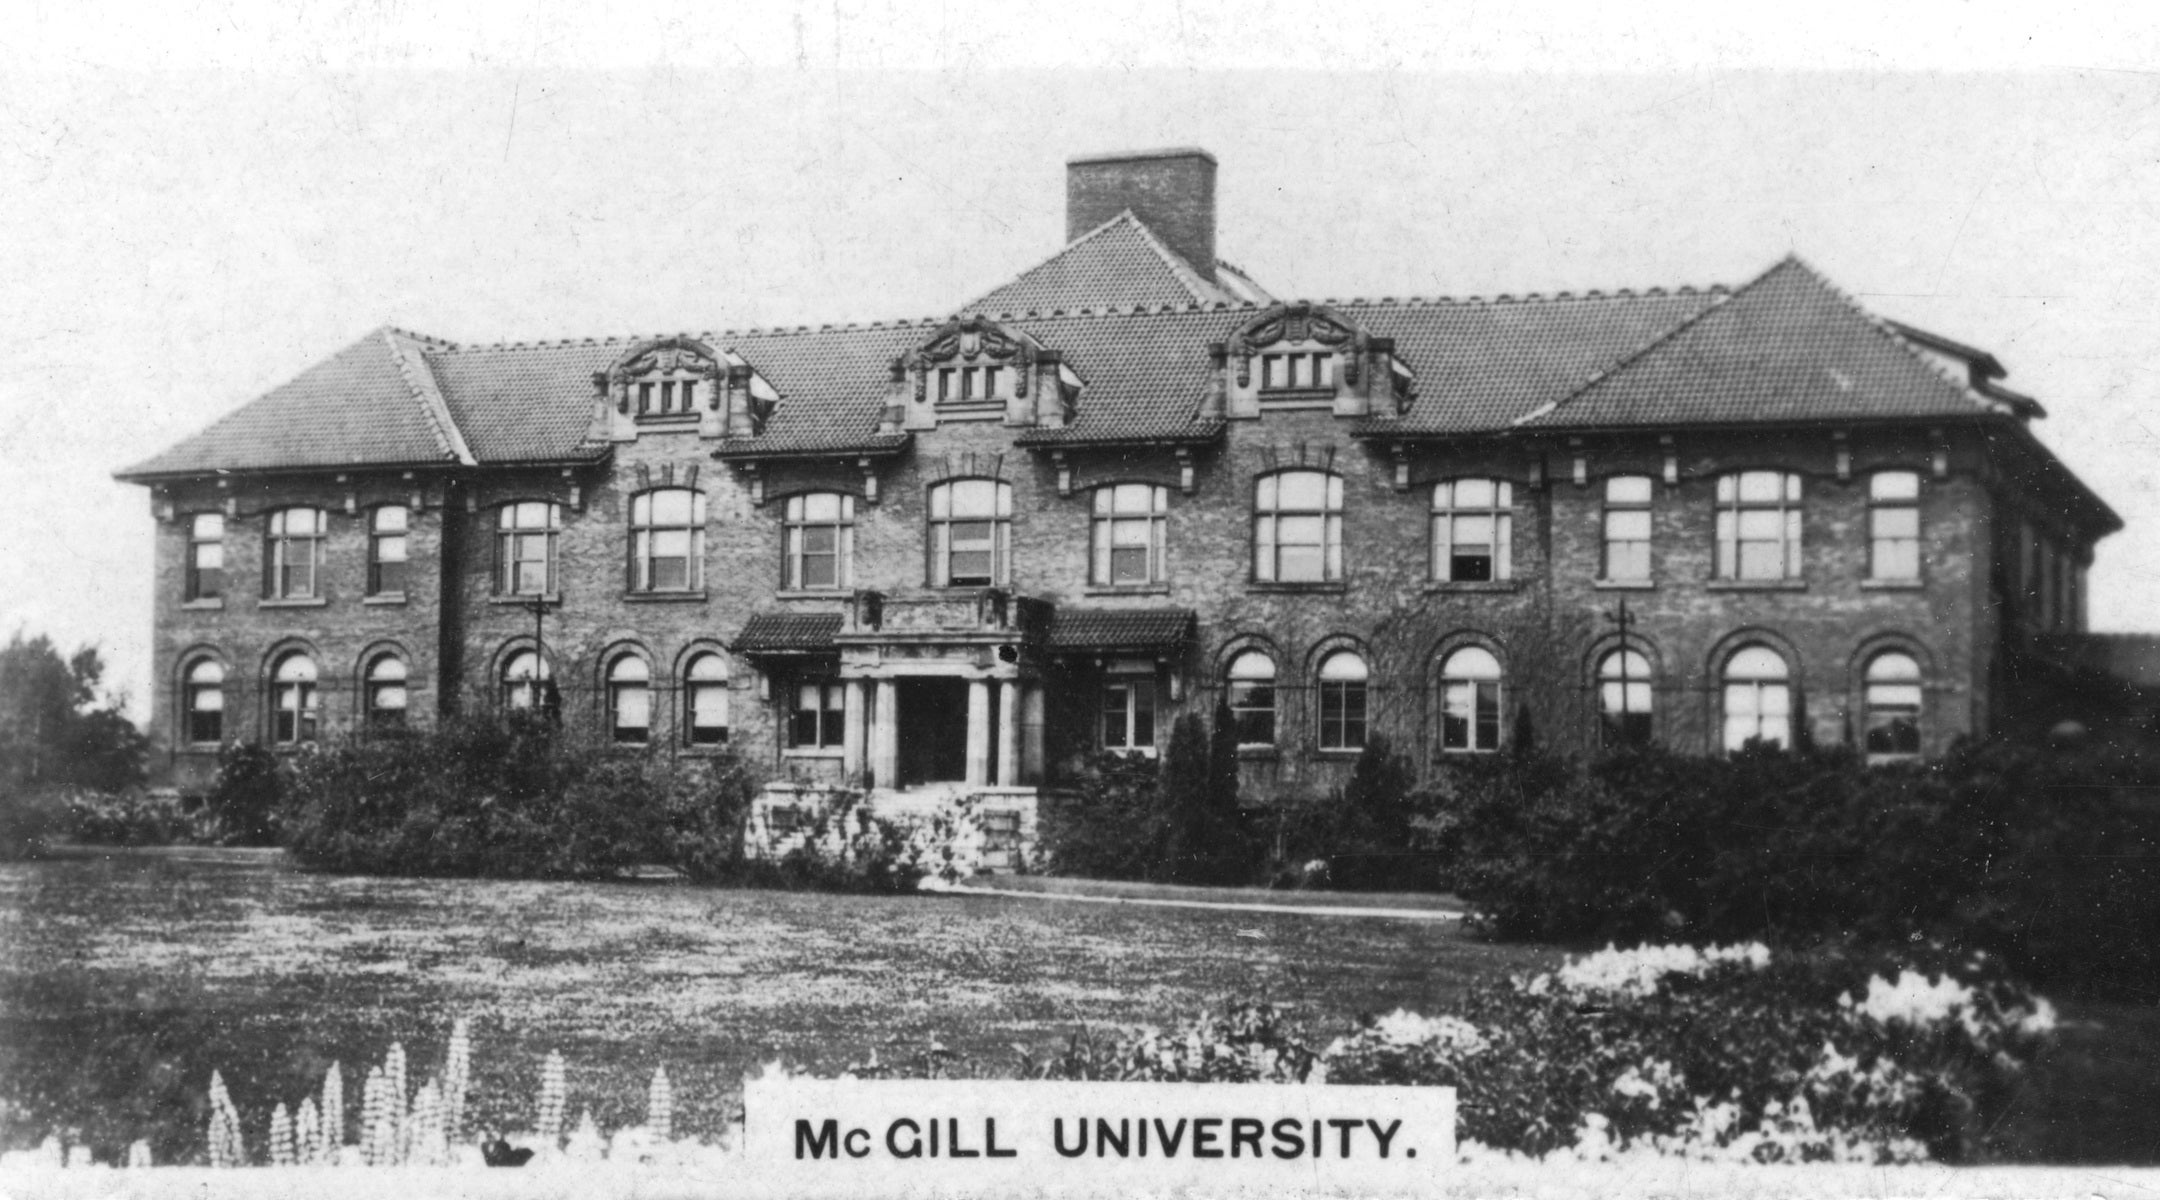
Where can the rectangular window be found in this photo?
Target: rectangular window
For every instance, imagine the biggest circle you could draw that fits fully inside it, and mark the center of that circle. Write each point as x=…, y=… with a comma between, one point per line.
x=295, y=552
x=386, y=550
x=206, y=556
x=708, y=712
x=1303, y=370
x=1758, y=526
x=526, y=549
x=1473, y=530
x=1627, y=528
x=820, y=539
x=1470, y=716
x=820, y=717
x=1128, y=717
x=1894, y=525
x=1127, y=532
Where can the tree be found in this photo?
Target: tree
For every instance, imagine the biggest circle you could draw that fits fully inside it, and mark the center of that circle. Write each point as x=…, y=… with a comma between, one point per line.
x=1182, y=796
x=57, y=726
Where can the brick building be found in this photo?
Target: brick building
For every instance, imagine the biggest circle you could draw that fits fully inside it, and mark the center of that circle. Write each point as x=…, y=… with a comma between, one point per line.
x=966, y=552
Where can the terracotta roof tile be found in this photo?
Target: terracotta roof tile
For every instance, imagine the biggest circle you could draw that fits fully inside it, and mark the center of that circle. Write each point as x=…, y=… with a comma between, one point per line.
x=356, y=408
x=1118, y=264
x=786, y=632
x=1119, y=628
x=1785, y=347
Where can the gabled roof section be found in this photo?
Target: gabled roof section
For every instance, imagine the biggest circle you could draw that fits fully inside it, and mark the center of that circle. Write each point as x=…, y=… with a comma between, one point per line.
x=1158, y=629
x=787, y=633
x=1787, y=346
x=1118, y=264
x=374, y=403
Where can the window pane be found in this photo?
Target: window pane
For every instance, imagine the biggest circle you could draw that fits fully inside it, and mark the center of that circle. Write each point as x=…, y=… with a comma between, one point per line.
x=1762, y=560
x=1894, y=485
x=1303, y=490
x=1628, y=524
x=208, y=526
x=1895, y=522
x=671, y=507
x=390, y=518
x=1896, y=560
x=1761, y=486
x=974, y=498
x=390, y=548
x=1628, y=489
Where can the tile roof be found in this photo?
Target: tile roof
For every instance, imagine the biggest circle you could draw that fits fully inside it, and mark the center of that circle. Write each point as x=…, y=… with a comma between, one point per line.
x=786, y=632
x=1119, y=628
x=1119, y=264
x=1787, y=346
x=367, y=405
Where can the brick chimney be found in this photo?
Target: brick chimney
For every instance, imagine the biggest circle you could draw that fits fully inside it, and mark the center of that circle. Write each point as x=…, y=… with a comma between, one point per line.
x=1171, y=191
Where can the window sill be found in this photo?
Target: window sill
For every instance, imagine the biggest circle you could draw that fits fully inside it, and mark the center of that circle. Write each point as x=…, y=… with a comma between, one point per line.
x=831, y=593
x=1479, y=585
x=1893, y=585
x=1624, y=585
x=697, y=597
x=385, y=598
x=527, y=598
x=1335, y=587
x=706, y=749
x=834, y=753
x=1458, y=752
x=1756, y=585
x=201, y=748
x=1338, y=754
x=1127, y=589
x=667, y=420
x=296, y=602
x=212, y=604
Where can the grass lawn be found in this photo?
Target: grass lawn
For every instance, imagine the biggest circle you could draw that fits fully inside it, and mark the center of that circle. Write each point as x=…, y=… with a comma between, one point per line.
x=124, y=981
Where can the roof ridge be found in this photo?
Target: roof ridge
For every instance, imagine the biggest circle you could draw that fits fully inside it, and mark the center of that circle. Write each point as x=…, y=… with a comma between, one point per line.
x=420, y=381
x=1186, y=273
x=1060, y=252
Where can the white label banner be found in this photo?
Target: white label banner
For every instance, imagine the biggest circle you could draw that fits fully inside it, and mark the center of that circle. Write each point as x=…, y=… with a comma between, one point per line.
x=965, y=1133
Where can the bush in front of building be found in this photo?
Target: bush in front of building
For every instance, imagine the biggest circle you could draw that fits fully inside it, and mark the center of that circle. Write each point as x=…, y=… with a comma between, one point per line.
x=246, y=798
x=510, y=796
x=2035, y=855
x=1106, y=826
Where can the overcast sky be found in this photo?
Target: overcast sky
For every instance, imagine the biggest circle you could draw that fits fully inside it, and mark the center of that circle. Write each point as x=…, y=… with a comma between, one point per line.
x=175, y=241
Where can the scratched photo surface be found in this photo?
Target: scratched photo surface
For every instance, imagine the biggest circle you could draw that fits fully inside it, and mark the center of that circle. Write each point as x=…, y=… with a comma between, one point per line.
x=933, y=404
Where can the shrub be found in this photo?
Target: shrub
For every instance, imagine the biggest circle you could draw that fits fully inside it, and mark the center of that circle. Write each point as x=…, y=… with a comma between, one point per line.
x=30, y=820
x=846, y=848
x=1205, y=838
x=2025, y=853
x=245, y=798
x=128, y=818
x=510, y=796
x=1107, y=827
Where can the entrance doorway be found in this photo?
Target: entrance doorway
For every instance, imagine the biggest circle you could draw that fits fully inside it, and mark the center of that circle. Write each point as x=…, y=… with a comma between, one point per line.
x=933, y=731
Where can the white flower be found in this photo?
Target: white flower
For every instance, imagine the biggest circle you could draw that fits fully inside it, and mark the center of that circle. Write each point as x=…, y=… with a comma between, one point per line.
x=1637, y=972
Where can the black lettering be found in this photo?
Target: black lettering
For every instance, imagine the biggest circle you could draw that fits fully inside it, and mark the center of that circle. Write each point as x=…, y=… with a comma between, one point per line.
x=1143, y=1137
x=848, y=1143
x=953, y=1139
x=933, y=1137
x=1289, y=1132
x=1169, y=1139
x=1203, y=1137
x=1347, y=1127
x=1057, y=1137
x=990, y=1145
x=914, y=1146
x=1122, y=1140
x=1319, y=1148
x=1245, y=1131
x=825, y=1140
x=1384, y=1136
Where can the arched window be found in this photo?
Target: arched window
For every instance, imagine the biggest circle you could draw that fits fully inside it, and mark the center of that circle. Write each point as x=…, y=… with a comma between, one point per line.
x=384, y=690
x=527, y=683
x=1627, y=528
x=970, y=533
x=1297, y=527
x=629, y=700
x=206, y=556
x=1470, y=702
x=1342, y=701
x=1894, y=525
x=1250, y=692
x=667, y=541
x=293, y=709
x=820, y=540
x=1127, y=534
x=294, y=553
x=1624, y=698
x=386, y=550
x=1473, y=526
x=705, y=701
x=1757, y=699
x=1758, y=525
x=202, y=702
x=1891, y=699
x=525, y=547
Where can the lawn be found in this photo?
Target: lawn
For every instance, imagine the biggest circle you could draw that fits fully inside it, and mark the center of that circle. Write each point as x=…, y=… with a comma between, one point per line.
x=124, y=981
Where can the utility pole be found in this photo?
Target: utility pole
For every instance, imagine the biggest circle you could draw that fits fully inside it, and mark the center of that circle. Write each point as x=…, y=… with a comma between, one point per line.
x=547, y=701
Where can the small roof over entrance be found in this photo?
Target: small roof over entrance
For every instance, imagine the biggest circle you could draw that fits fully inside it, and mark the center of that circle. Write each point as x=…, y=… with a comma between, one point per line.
x=1151, y=629
x=787, y=633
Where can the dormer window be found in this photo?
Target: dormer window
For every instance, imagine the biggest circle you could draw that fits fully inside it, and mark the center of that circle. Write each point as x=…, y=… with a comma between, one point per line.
x=667, y=397
x=958, y=385
x=1297, y=370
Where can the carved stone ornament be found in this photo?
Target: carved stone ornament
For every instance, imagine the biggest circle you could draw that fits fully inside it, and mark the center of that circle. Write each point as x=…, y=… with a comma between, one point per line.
x=971, y=340
x=667, y=356
x=1298, y=322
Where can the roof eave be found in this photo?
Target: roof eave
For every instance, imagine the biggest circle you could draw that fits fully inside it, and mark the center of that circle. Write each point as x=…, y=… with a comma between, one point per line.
x=855, y=450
